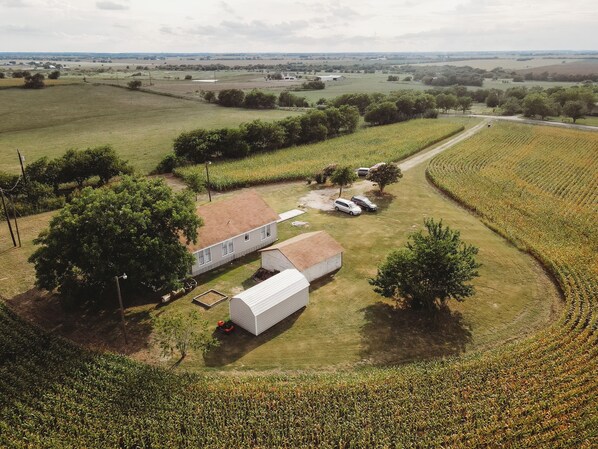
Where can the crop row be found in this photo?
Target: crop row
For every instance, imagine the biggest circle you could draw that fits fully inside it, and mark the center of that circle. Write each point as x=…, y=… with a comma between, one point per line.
x=386, y=143
x=539, y=393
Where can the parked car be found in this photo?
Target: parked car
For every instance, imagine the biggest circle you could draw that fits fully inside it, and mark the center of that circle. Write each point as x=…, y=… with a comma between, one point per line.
x=346, y=206
x=364, y=203
x=363, y=171
x=375, y=166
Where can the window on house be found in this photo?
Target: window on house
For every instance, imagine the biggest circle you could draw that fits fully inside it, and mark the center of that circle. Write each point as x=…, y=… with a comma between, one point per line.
x=246, y=237
x=204, y=256
x=266, y=232
x=228, y=248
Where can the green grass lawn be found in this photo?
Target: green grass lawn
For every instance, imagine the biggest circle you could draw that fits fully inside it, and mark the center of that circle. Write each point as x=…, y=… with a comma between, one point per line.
x=140, y=126
x=346, y=323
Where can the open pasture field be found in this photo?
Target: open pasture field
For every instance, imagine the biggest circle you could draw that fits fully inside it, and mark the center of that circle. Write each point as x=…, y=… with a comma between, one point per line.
x=582, y=67
x=535, y=393
x=515, y=63
x=140, y=126
x=364, y=148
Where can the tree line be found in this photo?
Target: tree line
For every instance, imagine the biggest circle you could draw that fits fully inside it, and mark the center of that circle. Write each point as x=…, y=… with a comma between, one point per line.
x=32, y=80
x=574, y=102
x=333, y=117
x=256, y=99
x=40, y=190
x=380, y=109
x=203, y=145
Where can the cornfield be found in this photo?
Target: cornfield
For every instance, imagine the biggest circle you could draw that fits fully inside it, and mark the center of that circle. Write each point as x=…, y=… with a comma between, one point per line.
x=362, y=149
x=537, y=186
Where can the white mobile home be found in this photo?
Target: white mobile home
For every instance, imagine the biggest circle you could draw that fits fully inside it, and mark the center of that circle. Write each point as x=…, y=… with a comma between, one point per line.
x=232, y=227
x=314, y=254
x=266, y=304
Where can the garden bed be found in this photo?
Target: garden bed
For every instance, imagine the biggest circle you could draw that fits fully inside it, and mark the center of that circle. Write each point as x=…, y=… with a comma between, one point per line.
x=210, y=298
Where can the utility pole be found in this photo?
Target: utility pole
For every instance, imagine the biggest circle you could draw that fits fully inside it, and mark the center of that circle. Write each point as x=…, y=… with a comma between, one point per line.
x=208, y=180
x=7, y=218
x=14, y=212
x=122, y=309
x=150, y=76
x=21, y=160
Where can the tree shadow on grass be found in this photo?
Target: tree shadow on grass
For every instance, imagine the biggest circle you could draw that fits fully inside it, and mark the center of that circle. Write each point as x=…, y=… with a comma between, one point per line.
x=395, y=335
x=87, y=324
x=382, y=200
x=240, y=342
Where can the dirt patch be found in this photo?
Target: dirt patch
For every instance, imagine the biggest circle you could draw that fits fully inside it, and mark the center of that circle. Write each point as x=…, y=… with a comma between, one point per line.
x=96, y=329
x=321, y=198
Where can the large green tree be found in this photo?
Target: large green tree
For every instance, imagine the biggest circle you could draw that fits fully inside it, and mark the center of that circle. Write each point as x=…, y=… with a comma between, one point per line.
x=537, y=104
x=575, y=109
x=343, y=176
x=430, y=269
x=384, y=175
x=381, y=113
x=132, y=227
x=34, y=81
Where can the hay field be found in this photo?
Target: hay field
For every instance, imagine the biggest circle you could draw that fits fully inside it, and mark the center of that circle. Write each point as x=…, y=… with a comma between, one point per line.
x=140, y=126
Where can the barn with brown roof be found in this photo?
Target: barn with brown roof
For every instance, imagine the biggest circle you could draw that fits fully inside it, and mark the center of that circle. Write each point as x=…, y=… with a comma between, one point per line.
x=314, y=254
x=232, y=227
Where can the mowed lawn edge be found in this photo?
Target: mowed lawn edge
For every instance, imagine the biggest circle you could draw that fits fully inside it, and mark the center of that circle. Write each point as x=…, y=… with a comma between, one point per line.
x=365, y=147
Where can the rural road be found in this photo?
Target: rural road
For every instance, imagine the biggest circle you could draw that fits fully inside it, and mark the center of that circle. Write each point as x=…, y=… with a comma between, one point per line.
x=414, y=161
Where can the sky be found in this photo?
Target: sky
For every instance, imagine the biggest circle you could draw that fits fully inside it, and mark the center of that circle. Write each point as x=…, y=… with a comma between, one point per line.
x=217, y=26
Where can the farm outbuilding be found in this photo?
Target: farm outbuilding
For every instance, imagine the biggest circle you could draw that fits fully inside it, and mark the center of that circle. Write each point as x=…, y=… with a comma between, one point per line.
x=266, y=304
x=314, y=254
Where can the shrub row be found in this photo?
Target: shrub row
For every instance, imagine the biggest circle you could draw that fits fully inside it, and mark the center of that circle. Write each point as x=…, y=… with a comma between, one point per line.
x=203, y=145
x=256, y=99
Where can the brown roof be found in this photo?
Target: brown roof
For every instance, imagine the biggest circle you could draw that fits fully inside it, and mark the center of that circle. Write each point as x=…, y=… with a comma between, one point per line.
x=309, y=249
x=227, y=218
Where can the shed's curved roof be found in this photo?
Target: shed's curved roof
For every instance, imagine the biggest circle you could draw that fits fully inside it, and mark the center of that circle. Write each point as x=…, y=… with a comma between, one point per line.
x=272, y=291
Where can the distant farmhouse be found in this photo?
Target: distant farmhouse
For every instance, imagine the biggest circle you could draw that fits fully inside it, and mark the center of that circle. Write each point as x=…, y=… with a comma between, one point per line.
x=232, y=227
x=327, y=78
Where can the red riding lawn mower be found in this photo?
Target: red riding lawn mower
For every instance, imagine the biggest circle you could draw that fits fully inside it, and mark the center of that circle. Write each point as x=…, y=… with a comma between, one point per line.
x=226, y=327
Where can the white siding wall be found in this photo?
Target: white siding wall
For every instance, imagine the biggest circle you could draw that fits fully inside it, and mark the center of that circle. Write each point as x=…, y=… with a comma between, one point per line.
x=323, y=268
x=275, y=261
x=242, y=315
x=241, y=247
x=280, y=311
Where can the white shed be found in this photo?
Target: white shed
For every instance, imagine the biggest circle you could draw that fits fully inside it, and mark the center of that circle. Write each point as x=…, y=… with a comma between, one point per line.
x=269, y=302
x=314, y=254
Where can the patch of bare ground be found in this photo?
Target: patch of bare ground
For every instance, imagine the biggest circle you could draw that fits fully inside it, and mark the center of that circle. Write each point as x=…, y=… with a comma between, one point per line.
x=91, y=327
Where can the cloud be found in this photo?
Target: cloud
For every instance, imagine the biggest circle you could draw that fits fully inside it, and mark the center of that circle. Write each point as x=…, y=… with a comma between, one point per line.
x=227, y=8
x=255, y=30
x=167, y=30
x=19, y=29
x=14, y=3
x=111, y=6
